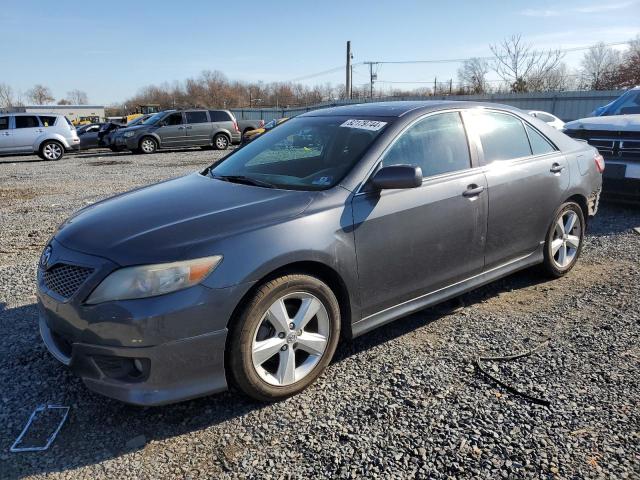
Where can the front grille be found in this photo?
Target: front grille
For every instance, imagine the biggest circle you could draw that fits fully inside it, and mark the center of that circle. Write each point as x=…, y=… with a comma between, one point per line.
x=612, y=145
x=65, y=280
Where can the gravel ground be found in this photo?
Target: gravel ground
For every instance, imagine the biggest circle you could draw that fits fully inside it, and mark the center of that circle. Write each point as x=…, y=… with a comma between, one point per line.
x=402, y=401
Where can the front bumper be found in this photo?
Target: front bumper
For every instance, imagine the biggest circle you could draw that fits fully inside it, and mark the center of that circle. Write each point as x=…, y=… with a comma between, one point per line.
x=122, y=143
x=171, y=372
x=178, y=339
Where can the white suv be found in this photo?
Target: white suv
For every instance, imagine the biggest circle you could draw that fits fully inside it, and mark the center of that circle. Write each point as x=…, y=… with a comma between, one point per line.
x=49, y=135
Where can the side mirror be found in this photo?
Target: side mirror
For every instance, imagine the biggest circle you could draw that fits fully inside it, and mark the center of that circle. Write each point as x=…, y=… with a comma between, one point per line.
x=397, y=176
x=162, y=124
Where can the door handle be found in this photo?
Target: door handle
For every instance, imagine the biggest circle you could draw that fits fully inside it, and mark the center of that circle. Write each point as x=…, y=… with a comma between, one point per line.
x=556, y=168
x=6, y=134
x=473, y=190
x=180, y=128
x=189, y=127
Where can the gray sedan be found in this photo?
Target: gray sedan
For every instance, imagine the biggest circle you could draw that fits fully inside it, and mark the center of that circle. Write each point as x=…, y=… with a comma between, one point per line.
x=332, y=224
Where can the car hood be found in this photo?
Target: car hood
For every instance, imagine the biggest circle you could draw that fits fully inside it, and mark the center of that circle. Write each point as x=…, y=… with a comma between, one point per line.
x=630, y=123
x=176, y=219
x=132, y=129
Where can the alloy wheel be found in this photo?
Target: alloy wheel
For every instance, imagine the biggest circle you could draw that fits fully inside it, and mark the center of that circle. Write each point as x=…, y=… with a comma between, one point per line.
x=566, y=238
x=52, y=151
x=148, y=145
x=291, y=339
x=221, y=142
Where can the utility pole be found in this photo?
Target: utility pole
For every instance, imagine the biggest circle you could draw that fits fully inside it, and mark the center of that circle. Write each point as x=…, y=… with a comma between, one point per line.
x=349, y=71
x=372, y=76
x=351, y=86
x=435, y=85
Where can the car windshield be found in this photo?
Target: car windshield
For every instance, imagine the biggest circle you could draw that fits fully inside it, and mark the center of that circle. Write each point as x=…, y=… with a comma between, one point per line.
x=305, y=153
x=153, y=119
x=626, y=104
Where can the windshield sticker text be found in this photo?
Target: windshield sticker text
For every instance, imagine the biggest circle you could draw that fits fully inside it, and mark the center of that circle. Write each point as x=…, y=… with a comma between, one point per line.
x=372, y=125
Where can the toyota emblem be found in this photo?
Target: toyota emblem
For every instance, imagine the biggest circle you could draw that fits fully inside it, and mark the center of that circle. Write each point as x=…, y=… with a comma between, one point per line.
x=46, y=255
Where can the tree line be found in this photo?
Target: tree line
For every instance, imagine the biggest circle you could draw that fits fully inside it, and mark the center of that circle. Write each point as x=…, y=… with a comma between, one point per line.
x=516, y=64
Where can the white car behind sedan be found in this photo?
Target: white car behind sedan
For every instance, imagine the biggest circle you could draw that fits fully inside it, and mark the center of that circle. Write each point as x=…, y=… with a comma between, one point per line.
x=546, y=117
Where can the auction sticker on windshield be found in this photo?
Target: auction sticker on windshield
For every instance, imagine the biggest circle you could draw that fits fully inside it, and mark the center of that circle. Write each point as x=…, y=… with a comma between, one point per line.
x=372, y=125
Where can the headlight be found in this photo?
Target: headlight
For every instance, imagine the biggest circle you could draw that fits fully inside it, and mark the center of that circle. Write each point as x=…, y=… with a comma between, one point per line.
x=151, y=280
x=129, y=134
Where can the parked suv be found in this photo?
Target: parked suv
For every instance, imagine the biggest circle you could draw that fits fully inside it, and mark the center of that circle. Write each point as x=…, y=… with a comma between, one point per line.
x=49, y=135
x=180, y=128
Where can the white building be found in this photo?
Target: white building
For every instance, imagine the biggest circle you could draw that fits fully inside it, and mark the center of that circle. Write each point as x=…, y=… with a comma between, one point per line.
x=72, y=112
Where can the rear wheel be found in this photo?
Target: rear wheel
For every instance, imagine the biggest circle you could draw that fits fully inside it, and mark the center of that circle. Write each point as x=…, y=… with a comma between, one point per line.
x=148, y=145
x=220, y=142
x=564, y=240
x=51, y=150
x=285, y=337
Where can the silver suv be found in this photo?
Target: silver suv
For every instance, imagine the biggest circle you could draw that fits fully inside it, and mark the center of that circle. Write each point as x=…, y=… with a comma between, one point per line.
x=49, y=135
x=180, y=128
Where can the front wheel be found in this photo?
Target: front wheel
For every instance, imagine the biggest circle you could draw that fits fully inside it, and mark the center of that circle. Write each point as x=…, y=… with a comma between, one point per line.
x=220, y=142
x=284, y=338
x=148, y=145
x=51, y=150
x=564, y=240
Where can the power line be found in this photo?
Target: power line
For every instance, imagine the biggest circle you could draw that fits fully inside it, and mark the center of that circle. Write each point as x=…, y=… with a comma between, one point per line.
x=460, y=60
x=448, y=60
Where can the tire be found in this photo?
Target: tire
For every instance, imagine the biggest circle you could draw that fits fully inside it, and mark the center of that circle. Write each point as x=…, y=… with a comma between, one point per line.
x=147, y=145
x=220, y=141
x=262, y=345
x=564, y=240
x=51, y=150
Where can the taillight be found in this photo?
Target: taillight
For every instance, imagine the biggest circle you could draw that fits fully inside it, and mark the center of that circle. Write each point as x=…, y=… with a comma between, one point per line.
x=261, y=123
x=235, y=126
x=599, y=162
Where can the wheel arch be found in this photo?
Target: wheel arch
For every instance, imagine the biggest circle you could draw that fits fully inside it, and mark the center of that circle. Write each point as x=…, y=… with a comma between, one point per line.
x=582, y=201
x=221, y=132
x=37, y=146
x=316, y=269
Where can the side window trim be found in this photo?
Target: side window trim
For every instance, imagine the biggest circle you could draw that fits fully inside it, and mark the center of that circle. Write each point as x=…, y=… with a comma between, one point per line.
x=524, y=123
x=473, y=153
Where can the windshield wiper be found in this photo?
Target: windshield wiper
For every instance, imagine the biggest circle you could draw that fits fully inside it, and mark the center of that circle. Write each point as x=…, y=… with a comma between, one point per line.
x=243, y=179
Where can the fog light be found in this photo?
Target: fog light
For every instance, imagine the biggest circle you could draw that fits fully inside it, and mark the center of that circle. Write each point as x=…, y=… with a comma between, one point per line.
x=138, y=365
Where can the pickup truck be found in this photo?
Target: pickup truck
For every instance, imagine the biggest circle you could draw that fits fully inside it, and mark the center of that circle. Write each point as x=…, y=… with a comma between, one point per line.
x=247, y=125
x=614, y=130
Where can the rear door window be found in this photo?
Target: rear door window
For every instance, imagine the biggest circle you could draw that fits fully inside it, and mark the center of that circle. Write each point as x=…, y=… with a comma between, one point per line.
x=4, y=123
x=47, y=121
x=27, y=121
x=539, y=144
x=437, y=144
x=196, y=117
x=502, y=136
x=220, y=116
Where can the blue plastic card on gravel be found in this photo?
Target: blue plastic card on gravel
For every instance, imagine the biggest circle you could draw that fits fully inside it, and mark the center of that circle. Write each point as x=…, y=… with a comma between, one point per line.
x=41, y=430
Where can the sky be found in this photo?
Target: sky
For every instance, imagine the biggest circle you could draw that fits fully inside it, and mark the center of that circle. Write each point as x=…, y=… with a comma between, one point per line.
x=110, y=50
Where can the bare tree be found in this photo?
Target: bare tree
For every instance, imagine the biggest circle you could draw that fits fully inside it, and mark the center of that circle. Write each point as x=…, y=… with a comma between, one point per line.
x=628, y=74
x=472, y=75
x=7, y=98
x=598, y=67
x=40, y=95
x=517, y=63
x=77, y=97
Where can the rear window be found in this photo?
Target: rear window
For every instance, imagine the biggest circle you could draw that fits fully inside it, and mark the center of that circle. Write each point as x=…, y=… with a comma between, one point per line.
x=26, y=121
x=220, y=116
x=4, y=123
x=47, y=121
x=196, y=117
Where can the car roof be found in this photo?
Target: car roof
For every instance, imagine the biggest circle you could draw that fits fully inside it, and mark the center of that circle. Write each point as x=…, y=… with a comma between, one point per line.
x=31, y=114
x=400, y=108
